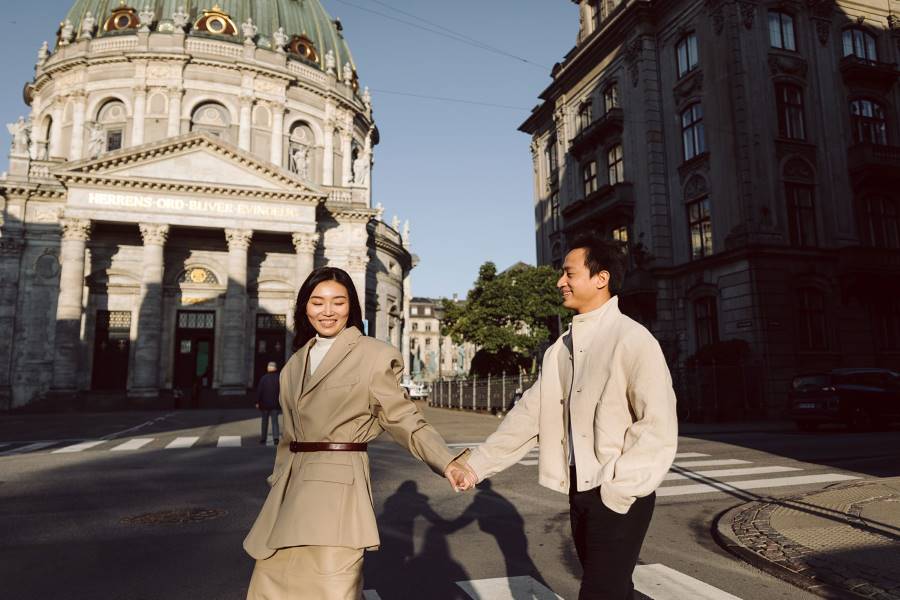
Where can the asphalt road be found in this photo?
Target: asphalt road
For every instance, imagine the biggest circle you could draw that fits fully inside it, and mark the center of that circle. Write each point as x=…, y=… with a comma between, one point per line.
x=97, y=506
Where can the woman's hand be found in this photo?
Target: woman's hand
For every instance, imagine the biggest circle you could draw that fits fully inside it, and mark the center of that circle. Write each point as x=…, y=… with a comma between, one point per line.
x=460, y=476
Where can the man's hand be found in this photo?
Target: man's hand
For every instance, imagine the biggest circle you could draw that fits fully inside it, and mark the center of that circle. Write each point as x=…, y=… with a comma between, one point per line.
x=460, y=476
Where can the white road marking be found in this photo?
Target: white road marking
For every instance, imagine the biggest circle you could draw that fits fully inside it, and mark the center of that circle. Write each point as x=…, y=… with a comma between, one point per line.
x=731, y=472
x=528, y=463
x=29, y=448
x=690, y=455
x=125, y=432
x=79, y=447
x=711, y=463
x=182, y=442
x=507, y=588
x=134, y=444
x=371, y=595
x=229, y=441
x=4, y=445
x=659, y=582
x=704, y=488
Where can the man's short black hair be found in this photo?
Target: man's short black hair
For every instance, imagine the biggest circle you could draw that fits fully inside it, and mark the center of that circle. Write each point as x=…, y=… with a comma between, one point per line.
x=602, y=255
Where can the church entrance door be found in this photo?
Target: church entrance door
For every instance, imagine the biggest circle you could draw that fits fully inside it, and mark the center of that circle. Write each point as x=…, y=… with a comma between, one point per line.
x=112, y=340
x=194, y=345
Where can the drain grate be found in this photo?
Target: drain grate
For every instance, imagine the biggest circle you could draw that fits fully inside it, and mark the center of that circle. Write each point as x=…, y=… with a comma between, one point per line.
x=175, y=517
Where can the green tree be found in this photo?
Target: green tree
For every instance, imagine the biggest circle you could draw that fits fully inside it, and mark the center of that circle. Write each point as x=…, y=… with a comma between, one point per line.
x=508, y=316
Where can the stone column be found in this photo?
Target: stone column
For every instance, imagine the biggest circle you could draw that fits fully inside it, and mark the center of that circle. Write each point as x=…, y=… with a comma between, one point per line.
x=175, y=95
x=145, y=383
x=234, y=327
x=54, y=146
x=405, y=333
x=244, y=130
x=76, y=147
x=140, y=104
x=328, y=158
x=277, y=154
x=347, y=151
x=10, y=259
x=305, y=244
x=69, y=307
x=356, y=267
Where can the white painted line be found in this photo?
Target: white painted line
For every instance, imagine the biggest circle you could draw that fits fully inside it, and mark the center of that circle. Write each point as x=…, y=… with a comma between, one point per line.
x=659, y=582
x=79, y=447
x=731, y=472
x=528, y=463
x=371, y=595
x=181, y=442
x=507, y=588
x=711, y=463
x=29, y=448
x=704, y=488
x=135, y=444
x=690, y=455
x=229, y=441
x=125, y=432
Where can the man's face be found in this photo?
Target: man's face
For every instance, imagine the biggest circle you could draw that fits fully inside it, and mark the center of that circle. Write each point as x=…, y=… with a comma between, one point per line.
x=581, y=292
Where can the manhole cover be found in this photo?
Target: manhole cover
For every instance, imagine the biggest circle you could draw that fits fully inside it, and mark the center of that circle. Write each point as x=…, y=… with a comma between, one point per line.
x=176, y=517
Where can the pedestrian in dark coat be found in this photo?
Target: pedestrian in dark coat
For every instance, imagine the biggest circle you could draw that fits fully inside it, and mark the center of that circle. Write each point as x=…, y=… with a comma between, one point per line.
x=267, y=402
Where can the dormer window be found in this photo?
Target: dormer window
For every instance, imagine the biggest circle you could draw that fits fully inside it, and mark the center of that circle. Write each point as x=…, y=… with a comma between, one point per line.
x=302, y=46
x=122, y=19
x=216, y=21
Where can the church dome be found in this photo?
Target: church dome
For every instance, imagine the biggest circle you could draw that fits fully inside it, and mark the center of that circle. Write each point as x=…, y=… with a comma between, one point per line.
x=309, y=32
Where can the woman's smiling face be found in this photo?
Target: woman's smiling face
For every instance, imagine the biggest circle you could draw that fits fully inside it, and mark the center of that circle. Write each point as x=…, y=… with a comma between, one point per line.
x=328, y=308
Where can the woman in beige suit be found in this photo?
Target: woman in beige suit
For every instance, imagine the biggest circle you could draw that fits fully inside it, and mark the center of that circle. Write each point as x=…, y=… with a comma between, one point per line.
x=339, y=391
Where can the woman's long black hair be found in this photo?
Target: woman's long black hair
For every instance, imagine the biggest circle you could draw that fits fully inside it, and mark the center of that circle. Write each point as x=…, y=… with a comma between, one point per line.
x=304, y=329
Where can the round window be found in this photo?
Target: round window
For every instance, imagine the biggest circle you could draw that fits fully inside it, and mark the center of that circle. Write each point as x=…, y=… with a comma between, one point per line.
x=123, y=21
x=216, y=25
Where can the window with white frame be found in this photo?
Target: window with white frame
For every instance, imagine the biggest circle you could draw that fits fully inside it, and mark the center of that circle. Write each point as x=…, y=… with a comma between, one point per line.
x=615, y=161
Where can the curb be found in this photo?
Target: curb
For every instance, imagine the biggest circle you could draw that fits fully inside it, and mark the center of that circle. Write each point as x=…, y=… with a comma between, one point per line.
x=725, y=537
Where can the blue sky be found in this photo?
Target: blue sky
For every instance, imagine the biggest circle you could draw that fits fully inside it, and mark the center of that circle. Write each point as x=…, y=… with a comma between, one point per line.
x=461, y=173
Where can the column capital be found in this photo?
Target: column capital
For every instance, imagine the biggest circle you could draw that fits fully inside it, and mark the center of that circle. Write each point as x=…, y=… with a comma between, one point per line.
x=305, y=242
x=154, y=234
x=238, y=239
x=357, y=262
x=75, y=229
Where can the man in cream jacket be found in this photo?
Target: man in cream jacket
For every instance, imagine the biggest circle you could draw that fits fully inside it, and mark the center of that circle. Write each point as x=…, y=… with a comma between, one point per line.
x=604, y=412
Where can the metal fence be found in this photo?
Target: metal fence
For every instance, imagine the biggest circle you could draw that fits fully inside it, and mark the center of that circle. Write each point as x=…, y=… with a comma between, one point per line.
x=708, y=393
x=490, y=394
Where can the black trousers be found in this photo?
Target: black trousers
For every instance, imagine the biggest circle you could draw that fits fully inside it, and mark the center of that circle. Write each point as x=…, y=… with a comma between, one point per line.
x=608, y=543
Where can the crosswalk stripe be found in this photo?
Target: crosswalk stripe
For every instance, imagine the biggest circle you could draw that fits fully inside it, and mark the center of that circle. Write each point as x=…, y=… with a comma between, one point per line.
x=507, y=588
x=29, y=448
x=182, y=442
x=229, y=441
x=81, y=447
x=730, y=472
x=691, y=455
x=371, y=595
x=659, y=582
x=706, y=488
x=528, y=463
x=711, y=463
x=133, y=444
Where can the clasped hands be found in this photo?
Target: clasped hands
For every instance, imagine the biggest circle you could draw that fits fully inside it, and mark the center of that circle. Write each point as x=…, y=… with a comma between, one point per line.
x=461, y=476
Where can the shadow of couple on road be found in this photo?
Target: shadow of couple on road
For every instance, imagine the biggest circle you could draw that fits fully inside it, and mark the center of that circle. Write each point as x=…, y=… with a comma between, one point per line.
x=397, y=572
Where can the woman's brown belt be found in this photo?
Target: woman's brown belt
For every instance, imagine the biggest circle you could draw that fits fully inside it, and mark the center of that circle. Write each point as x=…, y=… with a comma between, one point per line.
x=327, y=447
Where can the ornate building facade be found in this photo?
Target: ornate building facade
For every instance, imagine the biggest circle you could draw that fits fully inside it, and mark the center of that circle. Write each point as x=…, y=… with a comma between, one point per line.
x=434, y=356
x=179, y=175
x=747, y=152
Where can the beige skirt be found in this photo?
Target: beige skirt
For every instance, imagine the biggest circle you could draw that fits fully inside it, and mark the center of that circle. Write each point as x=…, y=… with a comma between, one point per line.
x=308, y=573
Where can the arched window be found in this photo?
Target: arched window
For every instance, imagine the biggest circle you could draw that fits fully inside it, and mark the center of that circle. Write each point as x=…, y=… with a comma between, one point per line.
x=693, y=136
x=706, y=321
x=811, y=330
x=868, y=122
x=687, y=54
x=791, y=121
x=615, y=162
x=300, y=142
x=700, y=228
x=860, y=43
x=880, y=224
x=211, y=118
x=111, y=119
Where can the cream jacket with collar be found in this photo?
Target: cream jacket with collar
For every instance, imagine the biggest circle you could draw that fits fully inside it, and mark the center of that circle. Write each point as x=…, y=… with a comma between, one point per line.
x=624, y=425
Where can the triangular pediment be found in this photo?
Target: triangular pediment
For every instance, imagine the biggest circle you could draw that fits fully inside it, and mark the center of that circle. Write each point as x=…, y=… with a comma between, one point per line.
x=195, y=159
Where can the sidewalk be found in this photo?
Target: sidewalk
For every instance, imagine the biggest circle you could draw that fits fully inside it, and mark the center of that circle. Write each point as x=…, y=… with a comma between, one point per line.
x=842, y=541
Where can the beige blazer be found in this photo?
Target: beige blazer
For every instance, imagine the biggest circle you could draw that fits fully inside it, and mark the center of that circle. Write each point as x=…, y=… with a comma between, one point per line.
x=624, y=423
x=325, y=498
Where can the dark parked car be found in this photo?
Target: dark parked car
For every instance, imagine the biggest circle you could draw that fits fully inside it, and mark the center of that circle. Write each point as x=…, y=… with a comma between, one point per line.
x=860, y=398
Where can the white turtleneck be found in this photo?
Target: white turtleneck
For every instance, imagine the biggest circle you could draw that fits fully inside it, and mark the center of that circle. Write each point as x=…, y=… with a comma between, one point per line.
x=319, y=349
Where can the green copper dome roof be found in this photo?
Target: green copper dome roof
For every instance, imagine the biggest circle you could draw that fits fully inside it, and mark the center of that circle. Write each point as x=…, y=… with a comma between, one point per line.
x=306, y=18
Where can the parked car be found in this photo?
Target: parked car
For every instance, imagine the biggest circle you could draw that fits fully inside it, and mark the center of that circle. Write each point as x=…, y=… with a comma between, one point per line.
x=862, y=399
x=416, y=391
